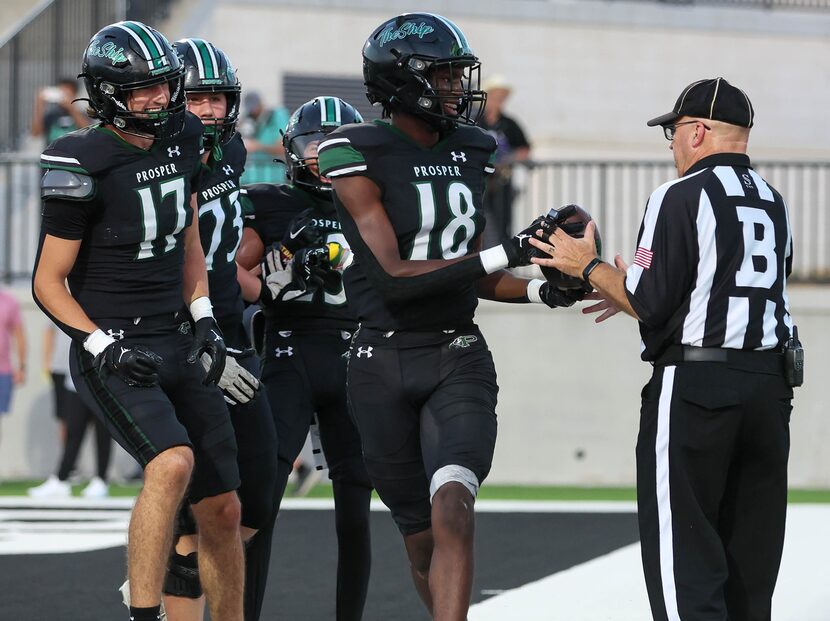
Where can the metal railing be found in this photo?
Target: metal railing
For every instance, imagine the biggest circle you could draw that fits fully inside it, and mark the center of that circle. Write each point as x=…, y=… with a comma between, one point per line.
x=614, y=192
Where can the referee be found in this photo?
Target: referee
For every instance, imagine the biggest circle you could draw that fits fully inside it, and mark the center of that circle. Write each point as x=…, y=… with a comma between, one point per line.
x=708, y=286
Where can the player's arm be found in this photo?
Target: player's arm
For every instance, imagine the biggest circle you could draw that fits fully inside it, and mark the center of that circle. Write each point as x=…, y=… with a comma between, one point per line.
x=248, y=257
x=374, y=242
x=207, y=338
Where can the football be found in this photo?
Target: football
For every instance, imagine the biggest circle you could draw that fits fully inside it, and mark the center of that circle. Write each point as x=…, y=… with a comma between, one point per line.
x=572, y=219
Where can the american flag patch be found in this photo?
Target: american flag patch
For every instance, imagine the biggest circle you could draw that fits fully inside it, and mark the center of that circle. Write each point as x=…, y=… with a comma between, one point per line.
x=643, y=257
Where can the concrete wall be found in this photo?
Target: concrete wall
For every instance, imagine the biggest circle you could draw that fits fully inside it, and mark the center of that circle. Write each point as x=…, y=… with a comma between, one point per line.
x=587, y=74
x=568, y=403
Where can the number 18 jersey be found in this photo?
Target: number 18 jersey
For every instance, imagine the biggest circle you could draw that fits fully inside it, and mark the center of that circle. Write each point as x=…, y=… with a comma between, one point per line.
x=433, y=198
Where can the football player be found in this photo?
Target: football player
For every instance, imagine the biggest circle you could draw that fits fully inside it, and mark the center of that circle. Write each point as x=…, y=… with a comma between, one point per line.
x=308, y=330
x=213, y=93
x=119, y=229
x=421, y=380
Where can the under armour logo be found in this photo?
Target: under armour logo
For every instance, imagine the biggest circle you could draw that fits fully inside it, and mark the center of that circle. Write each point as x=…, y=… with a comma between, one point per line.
x=521, y=239
x=116, y=334
x=458, y=156
x=364, y=352
x=284, y=333
x=288, y=351
x=463, y=342
x=171, y=151
x=227, y=169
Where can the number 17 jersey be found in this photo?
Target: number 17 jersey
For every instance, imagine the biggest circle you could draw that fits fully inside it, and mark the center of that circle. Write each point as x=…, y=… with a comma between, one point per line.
x=433, y=199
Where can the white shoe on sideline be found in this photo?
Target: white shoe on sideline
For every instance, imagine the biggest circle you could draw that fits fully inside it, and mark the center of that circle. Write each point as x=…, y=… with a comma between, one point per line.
x=97, y=488
x=51, y=488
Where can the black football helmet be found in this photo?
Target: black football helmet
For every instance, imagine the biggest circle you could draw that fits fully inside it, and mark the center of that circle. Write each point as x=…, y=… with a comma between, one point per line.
x=207, y=69
x=310, y=123
x=399, y=59
x=127, y=56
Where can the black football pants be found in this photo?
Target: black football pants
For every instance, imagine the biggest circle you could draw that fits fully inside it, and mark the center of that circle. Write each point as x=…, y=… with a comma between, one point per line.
x=712, y=490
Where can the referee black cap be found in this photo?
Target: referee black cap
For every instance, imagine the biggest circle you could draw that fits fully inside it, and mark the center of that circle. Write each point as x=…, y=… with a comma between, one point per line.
x=714, y=99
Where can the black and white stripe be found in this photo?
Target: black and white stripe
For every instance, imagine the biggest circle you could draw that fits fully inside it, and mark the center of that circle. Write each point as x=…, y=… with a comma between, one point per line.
x=722, y=248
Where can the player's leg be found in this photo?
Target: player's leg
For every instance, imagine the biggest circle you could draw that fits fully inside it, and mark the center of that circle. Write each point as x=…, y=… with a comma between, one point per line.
x=75, y=420
x=291, y=410
x=755, y=501
x=388, y=426
x=350, y=481
x=184, y=598
x=143, y=421
x=212, y=494
x=689, y=421
x=458, y=436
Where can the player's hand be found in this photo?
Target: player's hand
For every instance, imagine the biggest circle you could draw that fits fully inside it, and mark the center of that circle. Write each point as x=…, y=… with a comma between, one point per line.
x=302, y=232
x=604, y=305
x=518, y=248
x=275, y=275
x=207, y=339
x=237, y=384
x=555, y=297
x=311, y=268
x=134, y=364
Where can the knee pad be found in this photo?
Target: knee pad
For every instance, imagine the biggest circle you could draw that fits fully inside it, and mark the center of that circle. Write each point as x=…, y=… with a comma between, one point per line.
x=457, y=474
x=182, y=577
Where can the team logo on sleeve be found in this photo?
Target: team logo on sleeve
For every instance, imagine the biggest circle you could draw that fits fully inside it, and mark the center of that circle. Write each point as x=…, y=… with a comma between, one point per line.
x=643, y=257
x=174, y=151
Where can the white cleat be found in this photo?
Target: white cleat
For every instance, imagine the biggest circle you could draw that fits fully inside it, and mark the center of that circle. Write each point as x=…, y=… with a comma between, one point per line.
x=97, y=488
x=51, y=488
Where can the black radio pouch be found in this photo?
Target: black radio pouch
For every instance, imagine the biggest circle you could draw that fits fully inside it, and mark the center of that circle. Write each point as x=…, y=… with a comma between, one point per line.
x=794, y=360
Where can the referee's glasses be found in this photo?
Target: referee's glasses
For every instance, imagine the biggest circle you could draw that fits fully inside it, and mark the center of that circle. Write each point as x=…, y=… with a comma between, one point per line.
x=669, y=130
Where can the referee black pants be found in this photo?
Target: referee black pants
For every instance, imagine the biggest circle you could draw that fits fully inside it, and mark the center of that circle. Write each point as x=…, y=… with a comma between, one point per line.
x=712, y=490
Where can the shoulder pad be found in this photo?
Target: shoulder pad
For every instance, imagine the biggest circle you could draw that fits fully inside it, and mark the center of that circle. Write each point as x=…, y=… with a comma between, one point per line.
x=477, y=137
x=66, y=184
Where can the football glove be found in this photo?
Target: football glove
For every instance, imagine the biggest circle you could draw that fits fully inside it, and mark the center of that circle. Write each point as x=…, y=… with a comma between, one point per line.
x=311, y=267
x=518, y=248
x=556, y=298
x=134, y=364
x=237, y=384
x=275, y=275
x=207, y=339
x=302, y=231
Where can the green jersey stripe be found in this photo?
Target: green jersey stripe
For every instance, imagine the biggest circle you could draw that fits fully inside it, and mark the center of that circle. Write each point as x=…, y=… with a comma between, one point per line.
x=339, y=156
x=340, y=172
x=50, y=166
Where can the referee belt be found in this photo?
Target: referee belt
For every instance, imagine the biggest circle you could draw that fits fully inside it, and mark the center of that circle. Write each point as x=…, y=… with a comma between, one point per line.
x=762, y=361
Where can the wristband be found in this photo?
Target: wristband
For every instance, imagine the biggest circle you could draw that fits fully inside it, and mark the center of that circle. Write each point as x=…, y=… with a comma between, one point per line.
x=97, y=342
x=533, y=290
x=494, y=259
x=201, y=308
x=592, y=265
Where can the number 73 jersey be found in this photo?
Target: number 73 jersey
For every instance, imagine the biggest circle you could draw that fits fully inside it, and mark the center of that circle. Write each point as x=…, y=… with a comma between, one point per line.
x=433, y=198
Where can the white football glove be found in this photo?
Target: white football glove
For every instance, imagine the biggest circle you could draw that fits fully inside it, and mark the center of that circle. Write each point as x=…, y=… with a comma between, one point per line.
x=275, y=276
x=237, y=384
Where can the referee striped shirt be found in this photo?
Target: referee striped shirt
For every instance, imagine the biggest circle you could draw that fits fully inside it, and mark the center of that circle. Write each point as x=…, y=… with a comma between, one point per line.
x=712, y=260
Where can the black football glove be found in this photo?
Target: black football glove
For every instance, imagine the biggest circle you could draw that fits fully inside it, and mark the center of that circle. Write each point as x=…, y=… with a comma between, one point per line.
x=207, y=339
x=555, y=297
x=302, y=231
x=311, y=268
x=518, y=248
x=135, y=364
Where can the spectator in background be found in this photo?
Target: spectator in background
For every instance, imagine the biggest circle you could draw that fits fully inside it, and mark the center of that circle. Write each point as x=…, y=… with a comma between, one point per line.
x=55, y=114
x=512, y=147
x=11, y=331
x=261, y=129
x=74, y=418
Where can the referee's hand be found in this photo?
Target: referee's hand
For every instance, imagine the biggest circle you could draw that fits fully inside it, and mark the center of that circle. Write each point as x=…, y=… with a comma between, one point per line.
x=604, y=305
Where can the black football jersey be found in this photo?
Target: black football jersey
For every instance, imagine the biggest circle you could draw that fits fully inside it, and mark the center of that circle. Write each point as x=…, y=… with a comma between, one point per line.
x=220, y=227
x=131, y=257
x=433, y=197
x=274, y=206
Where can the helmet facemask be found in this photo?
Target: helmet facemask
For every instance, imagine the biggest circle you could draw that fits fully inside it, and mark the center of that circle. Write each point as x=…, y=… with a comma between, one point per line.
x=301, y=156
x=219, y=130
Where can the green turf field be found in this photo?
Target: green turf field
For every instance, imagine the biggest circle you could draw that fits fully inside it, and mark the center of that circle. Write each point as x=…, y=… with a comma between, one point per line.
x=488, y=492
